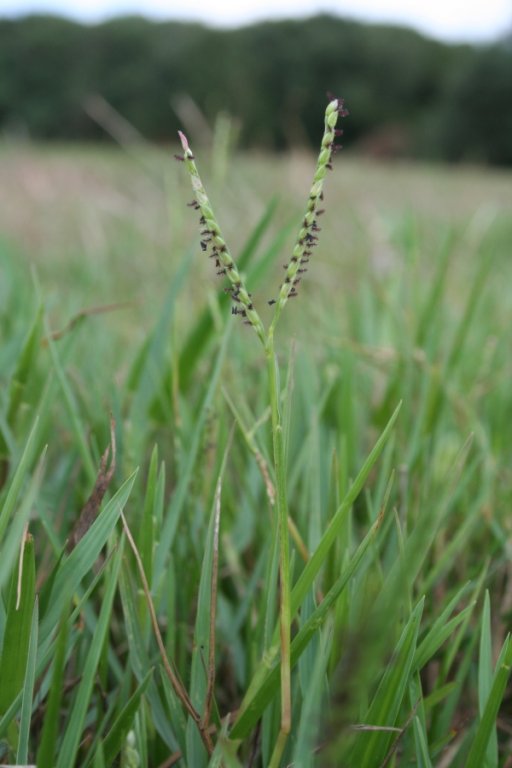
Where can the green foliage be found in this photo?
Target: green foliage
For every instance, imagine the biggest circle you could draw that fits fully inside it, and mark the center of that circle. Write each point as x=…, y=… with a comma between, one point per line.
x=399, y=553
x=408, y=95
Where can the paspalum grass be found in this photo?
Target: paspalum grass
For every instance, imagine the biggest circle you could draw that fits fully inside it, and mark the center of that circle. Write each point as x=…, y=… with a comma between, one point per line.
x=214, y=244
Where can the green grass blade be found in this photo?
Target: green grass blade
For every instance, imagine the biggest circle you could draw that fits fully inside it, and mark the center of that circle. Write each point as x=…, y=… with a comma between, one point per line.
x=442, y=628
x=141, y=665
x=18, y=628
x=72, y=408
x=371, y=747
x=26, y=363
x=485, y=676
x=28, y=691
x=46, y=751
x=115, y=738
x=317, y=559
x=18, y=478
x=203, y=656
x=71, y=740
x=420, y=737
x=308, y=726
x=180, y=494
x=487, y=725
x=265, y=684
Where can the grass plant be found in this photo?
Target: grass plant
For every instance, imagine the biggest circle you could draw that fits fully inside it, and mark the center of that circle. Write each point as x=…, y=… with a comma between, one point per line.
x=268, y=560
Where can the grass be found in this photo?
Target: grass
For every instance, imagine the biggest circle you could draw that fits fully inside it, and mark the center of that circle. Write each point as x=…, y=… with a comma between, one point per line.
x=399, y=548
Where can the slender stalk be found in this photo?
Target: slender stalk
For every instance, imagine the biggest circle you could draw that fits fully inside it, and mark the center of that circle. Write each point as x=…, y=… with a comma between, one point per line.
x=214, y=244
x=284, y=557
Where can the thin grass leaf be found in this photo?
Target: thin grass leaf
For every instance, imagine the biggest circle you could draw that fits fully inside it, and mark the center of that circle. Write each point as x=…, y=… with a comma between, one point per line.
x=46, y=751
x=146, y=530
x=308, y=726
x=371, y=747
x=25, y=365
x=149, y=368
x=487, y=725
x=420, y=737
x=174, y=512
x=442, y=628
x=16, y=484
x=18, y=627
x=28, y=691
x=265, y=684
x=485, y=676
x=202, y=676
x=141, y=665
x=116, y=736
x=71, y=739
x=317, y=558
x=72, y=408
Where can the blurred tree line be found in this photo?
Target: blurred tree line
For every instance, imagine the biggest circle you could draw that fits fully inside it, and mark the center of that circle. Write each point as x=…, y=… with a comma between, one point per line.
x=407, y=95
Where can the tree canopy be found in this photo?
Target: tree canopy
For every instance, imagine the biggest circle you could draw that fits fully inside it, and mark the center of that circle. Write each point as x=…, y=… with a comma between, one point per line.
x=407, y=94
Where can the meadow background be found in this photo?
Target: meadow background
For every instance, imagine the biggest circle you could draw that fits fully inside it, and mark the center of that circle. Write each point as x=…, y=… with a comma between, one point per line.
x=108, y=306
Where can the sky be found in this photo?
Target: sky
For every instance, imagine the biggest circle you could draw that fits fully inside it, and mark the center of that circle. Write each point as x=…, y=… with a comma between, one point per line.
x=450, y=20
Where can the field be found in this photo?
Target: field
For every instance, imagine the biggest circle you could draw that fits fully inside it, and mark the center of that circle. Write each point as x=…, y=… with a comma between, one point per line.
x=161, y=647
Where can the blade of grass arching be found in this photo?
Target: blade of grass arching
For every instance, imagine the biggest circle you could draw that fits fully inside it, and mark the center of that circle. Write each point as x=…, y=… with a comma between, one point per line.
x=461, y=537
x=17, y=633
x=485, y=676
x=442, y=719
x=71, y=740
x=28, y=691
x=72, y=408
x=175, y=509
x=487, y=725
x=25, y=364
x=442, y=628
x=202, y=332
x=265, y=683
x=48, y=741
x=149, y=368
x=202, y=676
x=372, y=746
x=113, y=742
x=308, y=726
x=13, y=539
x=73, y=569
x=15, y=486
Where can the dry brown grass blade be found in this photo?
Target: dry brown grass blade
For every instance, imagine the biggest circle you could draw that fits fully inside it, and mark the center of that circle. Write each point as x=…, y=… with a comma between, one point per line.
x=91, y=508
x=103, y=309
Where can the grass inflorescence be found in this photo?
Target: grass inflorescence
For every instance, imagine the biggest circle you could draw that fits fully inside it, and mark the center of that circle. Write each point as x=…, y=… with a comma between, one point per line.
x=216, y=553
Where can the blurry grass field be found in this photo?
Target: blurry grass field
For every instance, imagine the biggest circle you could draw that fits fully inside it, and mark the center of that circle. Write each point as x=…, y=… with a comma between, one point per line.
x=401, y=643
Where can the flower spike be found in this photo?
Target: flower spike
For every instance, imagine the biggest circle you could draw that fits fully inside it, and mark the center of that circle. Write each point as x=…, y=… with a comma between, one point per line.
x=211, y=239
x=306, y=239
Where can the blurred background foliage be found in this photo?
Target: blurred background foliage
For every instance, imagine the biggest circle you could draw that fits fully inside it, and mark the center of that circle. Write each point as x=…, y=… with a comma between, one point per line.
x=409, y=96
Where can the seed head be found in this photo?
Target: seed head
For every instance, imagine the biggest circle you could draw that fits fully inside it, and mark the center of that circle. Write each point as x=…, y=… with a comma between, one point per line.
x=211, y=238
x=306, y=239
